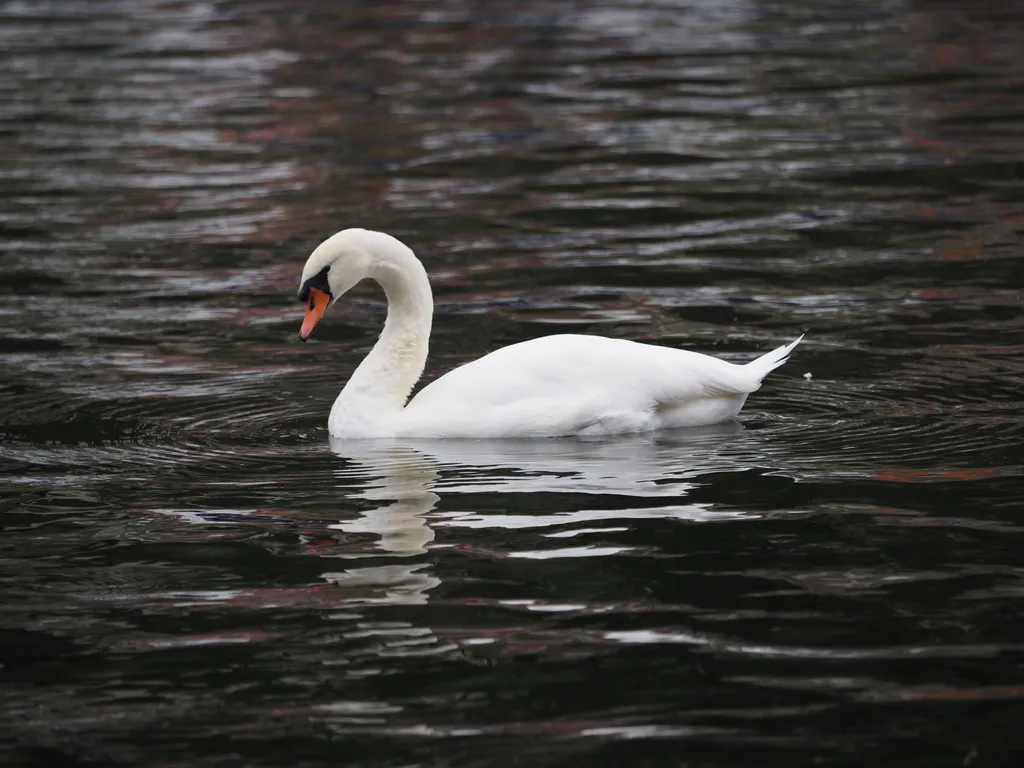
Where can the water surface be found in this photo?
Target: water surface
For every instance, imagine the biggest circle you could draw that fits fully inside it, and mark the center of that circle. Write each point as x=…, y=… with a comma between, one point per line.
x=193, y=574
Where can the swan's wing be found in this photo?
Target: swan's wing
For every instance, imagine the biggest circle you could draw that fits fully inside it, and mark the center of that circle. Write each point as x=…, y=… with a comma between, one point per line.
x=569, y=383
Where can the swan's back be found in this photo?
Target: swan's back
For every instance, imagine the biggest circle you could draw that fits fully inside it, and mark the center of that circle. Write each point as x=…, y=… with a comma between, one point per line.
x=574, y=384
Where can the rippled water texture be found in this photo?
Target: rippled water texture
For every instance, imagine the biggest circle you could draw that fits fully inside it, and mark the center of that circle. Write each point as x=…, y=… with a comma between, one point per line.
x=193, y=575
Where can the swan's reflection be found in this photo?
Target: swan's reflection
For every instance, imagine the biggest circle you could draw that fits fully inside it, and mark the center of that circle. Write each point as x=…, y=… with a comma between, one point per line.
x=403, y=476
x=410, y=473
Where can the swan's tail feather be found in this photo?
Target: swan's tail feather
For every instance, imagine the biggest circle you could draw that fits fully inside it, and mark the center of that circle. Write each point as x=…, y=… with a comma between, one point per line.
x=769, y=361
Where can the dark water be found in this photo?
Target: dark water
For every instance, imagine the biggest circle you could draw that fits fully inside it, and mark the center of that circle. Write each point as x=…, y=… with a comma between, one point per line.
x=193, y=576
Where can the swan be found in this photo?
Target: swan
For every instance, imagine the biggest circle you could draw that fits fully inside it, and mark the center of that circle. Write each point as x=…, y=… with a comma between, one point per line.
x=554, y=386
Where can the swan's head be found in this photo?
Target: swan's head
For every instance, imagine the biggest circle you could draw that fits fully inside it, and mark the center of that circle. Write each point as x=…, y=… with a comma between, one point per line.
x=333, y=269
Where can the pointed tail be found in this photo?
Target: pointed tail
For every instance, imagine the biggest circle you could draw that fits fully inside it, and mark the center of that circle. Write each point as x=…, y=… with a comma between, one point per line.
x=768, y=362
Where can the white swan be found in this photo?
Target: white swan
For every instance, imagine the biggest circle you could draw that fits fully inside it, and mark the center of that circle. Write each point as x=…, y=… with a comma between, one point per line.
x=559, y=385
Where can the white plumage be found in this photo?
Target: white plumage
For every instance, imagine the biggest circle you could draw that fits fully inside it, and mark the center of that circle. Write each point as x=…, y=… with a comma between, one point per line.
x=560, y=385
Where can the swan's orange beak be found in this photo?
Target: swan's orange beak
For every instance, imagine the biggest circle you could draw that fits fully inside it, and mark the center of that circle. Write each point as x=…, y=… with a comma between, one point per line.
x=315, y=308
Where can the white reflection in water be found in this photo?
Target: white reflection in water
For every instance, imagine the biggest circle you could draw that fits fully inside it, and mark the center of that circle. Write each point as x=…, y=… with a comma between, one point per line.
x=406, y=477
x=411, y=474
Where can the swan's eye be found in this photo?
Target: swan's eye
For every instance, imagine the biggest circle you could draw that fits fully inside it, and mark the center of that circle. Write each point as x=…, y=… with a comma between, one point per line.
x=319, y=281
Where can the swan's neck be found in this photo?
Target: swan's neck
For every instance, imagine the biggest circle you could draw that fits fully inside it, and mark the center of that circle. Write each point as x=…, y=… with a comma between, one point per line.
x=380, y=386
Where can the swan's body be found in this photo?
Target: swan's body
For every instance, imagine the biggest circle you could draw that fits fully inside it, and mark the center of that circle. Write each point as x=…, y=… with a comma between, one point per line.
x=553, y=386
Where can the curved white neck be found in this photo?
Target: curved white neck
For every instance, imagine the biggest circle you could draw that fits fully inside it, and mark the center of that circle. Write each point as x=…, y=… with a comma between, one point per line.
x=380, y=386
